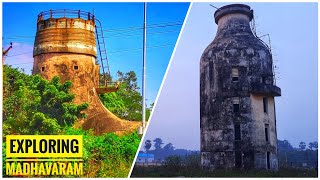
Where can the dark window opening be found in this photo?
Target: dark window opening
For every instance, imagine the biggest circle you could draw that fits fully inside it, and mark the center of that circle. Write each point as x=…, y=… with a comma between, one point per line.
x=237, y=132
x=43, y=68
x=236, y=108
x=235, y=79
x=263, y=79
x=235, y=74
x=265, y=104
x=238, y=159
x=268, y=160
x=266, y=132
x=236, y=105
x=266, y=80
x=75, y=67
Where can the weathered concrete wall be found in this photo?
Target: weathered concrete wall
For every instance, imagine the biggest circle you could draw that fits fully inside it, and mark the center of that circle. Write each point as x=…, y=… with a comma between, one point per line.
x=65, y=35
x=66, y=47
x=262, y=118
x=236, y=47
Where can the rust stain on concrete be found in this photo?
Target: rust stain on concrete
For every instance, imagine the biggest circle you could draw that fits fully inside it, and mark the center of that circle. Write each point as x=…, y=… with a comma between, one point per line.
x=66, y=47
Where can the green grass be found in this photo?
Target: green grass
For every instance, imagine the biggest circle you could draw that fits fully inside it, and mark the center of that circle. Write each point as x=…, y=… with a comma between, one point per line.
x=197, y=172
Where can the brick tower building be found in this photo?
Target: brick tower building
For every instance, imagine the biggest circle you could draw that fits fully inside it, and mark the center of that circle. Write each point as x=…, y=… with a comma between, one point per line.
x=237, y=90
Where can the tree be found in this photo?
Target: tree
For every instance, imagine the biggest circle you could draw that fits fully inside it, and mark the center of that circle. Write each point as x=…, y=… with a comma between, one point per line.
x=168, y=147
x=310, y=145
x=302, y=145
x=284, y=145
x=126, y=102
x=158, y=143
x=33, y=105
x=313, y=145
x=147, y=145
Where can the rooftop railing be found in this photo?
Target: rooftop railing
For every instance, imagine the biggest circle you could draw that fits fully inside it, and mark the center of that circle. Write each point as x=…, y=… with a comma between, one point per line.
x=59, y=13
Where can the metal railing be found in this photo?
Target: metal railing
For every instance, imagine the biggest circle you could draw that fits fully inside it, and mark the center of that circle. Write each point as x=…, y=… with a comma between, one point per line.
x=267, y=45
x=59, y=13
x=100, y=39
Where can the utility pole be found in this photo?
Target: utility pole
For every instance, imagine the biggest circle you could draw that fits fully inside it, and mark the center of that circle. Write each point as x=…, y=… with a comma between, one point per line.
x=5, y=53
x=144, y=59
x=144, y=67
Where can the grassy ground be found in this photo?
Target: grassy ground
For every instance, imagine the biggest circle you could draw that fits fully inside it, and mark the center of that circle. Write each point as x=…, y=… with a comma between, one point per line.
x=196, y=172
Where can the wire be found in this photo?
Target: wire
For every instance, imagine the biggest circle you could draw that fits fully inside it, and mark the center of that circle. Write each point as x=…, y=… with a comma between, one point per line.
x=134, y=28
x=112, y=36
x=19, y=54
x=130, y=35
x=152, y=33
x=112, y=52
x=152, y=26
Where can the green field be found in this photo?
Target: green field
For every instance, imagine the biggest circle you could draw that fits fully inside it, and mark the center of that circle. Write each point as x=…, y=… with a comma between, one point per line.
x=196, y=172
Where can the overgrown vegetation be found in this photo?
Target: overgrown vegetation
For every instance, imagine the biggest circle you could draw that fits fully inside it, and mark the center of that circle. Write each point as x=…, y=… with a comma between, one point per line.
x=162, y=171
x=171, y=162
x=189, y=166
x=107, y=155
x=32, y=105
x=126, y=103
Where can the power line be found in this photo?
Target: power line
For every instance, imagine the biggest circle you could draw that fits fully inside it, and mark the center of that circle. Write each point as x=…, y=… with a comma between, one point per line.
x=130, y=35
x=134, y=28
x=110, y=36
x=152, y=33
x=19, y=54
x=114, y=36
x=112, y=52
x=154, y=26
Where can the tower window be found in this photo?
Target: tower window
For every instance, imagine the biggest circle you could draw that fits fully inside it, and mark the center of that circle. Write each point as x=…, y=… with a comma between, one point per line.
x=43, y=68
x=266, y=132
x=266, y=80
x=75, y=67
x=268, y=160
x=238, y=159
x=235, y=74
x=265, y=104
x=237, y=132
x=236, y=106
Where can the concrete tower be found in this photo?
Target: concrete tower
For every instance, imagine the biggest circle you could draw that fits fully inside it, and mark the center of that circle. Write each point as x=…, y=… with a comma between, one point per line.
x=66, y=47
x=237, y=90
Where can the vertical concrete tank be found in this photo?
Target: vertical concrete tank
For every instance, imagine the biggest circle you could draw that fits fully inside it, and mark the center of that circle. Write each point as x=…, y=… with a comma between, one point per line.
x=237, y=90
x=65, y=46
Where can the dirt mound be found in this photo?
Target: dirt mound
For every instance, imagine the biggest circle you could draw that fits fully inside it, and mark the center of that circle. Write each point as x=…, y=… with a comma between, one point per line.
x=101, y=120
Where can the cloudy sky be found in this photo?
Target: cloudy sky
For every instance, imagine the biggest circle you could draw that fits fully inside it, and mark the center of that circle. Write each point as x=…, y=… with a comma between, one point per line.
x=294, y=34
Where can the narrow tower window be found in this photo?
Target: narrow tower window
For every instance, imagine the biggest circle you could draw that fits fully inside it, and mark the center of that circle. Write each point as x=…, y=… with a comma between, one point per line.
x=238, y=159
x=268, y=160
x=265, y=104
x=235, y=74
x=75, y=67
x=237, y=132
x=236, y=106
x=43, y=68
x=266, y=132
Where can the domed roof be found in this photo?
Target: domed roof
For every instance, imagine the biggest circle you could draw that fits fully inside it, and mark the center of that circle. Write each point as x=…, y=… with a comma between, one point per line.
x=233, y=8
x=234, y=37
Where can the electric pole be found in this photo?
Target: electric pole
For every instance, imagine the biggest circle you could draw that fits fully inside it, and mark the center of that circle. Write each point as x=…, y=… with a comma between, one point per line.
x=5, y=53
x=144, y=67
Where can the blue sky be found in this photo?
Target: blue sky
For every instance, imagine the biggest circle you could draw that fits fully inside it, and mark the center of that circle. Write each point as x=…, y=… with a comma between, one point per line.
x=293, y=28
x=124, y=47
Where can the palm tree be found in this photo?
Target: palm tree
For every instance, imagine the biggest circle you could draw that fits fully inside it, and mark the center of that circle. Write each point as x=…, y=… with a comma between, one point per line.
x=147, y=146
